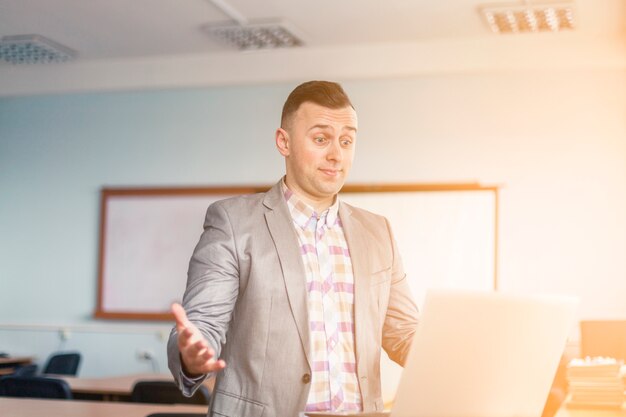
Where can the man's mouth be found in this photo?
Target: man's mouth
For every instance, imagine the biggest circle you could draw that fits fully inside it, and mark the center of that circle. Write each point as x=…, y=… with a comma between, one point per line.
x=330, y=172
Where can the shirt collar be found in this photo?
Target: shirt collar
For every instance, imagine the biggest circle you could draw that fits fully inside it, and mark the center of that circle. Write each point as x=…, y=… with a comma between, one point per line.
x=302, y=213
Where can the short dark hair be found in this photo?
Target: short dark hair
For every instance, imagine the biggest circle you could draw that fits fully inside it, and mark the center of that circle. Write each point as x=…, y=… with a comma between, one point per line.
x=323, y=93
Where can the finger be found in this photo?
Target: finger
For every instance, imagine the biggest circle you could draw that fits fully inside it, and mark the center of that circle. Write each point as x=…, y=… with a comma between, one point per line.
x=185, y=337
x=208, y=354
x=213, y=366
x=194, y=352
x=200, y=363
x=200, y=354
x=196, y=349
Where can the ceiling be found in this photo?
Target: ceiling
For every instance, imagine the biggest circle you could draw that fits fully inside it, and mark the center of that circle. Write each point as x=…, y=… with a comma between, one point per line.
x=125, y=30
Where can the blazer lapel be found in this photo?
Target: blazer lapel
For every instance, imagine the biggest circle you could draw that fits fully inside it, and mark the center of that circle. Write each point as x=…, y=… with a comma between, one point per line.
x=357, y=238
x=280, y=227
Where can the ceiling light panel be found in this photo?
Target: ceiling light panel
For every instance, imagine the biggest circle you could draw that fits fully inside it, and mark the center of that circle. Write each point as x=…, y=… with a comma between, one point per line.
x=33, y=49
x=529, y=17
x=254, y=36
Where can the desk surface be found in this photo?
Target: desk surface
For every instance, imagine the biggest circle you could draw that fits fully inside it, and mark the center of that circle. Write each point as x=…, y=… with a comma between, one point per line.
x=121, y=385
x=8, y=364
x=569, y=412
x=114, y=385
x=28, y=407
x=16, y=360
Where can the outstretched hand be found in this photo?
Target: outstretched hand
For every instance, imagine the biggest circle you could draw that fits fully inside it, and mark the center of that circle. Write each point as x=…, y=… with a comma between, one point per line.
x=197, y=357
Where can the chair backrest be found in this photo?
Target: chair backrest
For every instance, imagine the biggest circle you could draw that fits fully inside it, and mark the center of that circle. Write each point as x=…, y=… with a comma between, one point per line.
x=25, y=370
x=166, y=392
x=35, y=387
x=63, y=364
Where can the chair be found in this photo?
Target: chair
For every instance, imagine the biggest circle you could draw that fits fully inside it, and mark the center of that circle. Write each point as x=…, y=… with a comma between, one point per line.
x=166, y=392
x=25, y=370
x=35, y=387
x=63, y=364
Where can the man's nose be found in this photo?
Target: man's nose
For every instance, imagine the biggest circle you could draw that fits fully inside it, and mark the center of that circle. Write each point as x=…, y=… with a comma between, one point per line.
x=334, y=151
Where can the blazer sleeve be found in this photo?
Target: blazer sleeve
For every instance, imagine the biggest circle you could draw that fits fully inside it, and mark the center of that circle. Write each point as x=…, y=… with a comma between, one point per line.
x=211, y=292
x=401, y=318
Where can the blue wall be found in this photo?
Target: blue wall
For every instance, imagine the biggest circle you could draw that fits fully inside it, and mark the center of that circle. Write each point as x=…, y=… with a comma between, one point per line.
x=58, y=151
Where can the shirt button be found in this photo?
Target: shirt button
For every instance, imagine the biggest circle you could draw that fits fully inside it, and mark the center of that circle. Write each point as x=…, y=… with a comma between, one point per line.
x=306, y=378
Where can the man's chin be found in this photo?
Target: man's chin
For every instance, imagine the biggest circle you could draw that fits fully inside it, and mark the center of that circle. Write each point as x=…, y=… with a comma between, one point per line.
x=332, y=188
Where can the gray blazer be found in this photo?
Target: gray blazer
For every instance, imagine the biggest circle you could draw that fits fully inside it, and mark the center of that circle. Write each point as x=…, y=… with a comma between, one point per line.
x=246, y=293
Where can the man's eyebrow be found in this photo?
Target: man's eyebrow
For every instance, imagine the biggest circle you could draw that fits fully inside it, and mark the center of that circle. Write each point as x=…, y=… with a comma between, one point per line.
x=321, y=126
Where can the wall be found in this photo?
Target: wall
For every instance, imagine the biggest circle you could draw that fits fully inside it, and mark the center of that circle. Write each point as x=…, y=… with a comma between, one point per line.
x=555, y=141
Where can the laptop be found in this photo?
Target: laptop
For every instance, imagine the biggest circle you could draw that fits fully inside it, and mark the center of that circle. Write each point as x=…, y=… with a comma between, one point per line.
x=481, y=354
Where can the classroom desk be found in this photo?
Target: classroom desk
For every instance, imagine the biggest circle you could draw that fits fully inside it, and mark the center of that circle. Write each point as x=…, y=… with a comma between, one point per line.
x=30, y=407
x=8, y=364
x=115, y=388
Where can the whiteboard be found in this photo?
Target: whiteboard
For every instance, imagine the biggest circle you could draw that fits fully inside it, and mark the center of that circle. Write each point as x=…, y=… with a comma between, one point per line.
x=446, y=239
x=446, y=234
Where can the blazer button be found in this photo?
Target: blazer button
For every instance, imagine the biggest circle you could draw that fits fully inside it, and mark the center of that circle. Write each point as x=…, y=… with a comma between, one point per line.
x=306, y=378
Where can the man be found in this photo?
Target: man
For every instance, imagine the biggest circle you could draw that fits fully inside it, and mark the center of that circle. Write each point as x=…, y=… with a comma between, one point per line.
x=293, y=289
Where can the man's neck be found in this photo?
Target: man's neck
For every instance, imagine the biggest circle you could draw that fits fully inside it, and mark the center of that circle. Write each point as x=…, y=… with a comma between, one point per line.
x=319, y=205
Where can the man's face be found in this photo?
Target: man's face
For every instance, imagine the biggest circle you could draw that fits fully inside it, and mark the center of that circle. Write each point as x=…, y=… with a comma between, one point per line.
x=318, y=146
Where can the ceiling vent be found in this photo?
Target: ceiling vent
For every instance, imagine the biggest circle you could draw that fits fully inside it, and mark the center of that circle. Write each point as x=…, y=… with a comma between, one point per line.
x=529, y=17
x=33, y=49
x=254, y=35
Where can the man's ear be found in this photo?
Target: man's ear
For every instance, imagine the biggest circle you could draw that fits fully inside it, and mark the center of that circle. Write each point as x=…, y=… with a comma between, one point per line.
x=282, y=141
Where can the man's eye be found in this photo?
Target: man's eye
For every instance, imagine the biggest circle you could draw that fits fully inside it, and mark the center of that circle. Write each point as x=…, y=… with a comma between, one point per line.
x=346, y=142
x=320, y=139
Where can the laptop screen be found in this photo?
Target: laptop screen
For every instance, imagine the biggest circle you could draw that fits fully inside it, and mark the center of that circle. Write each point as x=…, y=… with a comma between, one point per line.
x=484, y=354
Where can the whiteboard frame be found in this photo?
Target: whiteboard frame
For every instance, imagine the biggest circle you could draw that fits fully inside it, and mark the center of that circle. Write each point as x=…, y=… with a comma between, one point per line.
x=109, y=194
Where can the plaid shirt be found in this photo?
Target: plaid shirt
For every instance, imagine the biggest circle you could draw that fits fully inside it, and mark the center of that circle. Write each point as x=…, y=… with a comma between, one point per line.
x=330, y=289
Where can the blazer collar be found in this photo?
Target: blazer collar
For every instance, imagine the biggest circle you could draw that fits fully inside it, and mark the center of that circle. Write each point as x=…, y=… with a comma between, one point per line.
x=274, y=197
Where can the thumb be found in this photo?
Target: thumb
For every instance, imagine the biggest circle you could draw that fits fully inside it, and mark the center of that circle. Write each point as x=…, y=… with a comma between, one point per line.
x=180, y=316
